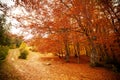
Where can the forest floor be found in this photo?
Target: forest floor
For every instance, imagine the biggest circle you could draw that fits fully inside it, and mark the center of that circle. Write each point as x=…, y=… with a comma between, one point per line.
x=49, y=67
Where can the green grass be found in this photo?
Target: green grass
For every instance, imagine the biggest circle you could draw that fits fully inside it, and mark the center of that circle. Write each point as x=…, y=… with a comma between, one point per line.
x=3, y=53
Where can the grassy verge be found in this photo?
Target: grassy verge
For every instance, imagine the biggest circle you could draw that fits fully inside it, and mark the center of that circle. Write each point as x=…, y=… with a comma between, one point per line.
x=3, y=53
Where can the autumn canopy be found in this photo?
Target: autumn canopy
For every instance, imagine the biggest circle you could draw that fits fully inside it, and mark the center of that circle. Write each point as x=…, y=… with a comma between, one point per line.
x=71, y=27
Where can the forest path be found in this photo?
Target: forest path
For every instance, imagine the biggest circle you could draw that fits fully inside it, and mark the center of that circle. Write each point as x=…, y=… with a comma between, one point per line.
x=40, y=67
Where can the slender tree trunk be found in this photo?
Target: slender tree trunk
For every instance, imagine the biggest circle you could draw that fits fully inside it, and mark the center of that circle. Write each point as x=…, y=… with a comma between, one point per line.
x=75, y=51
x=93, y=55
x=78, y=51
x=67, y=51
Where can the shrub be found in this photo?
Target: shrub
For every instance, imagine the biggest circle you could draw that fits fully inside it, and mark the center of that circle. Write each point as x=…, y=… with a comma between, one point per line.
x=23, y=54
x=3, y=52
x=23, y=45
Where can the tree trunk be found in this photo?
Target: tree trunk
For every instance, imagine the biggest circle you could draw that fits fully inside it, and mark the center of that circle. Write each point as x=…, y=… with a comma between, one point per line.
x=78, y=51
x=67, y=52
x=93, y=55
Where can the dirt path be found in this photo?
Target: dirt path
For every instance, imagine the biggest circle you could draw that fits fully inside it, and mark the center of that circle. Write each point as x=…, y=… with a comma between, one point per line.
x=37, y=68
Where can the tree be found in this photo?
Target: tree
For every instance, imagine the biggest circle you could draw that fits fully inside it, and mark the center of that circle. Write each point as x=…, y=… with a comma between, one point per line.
x=92, y=23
